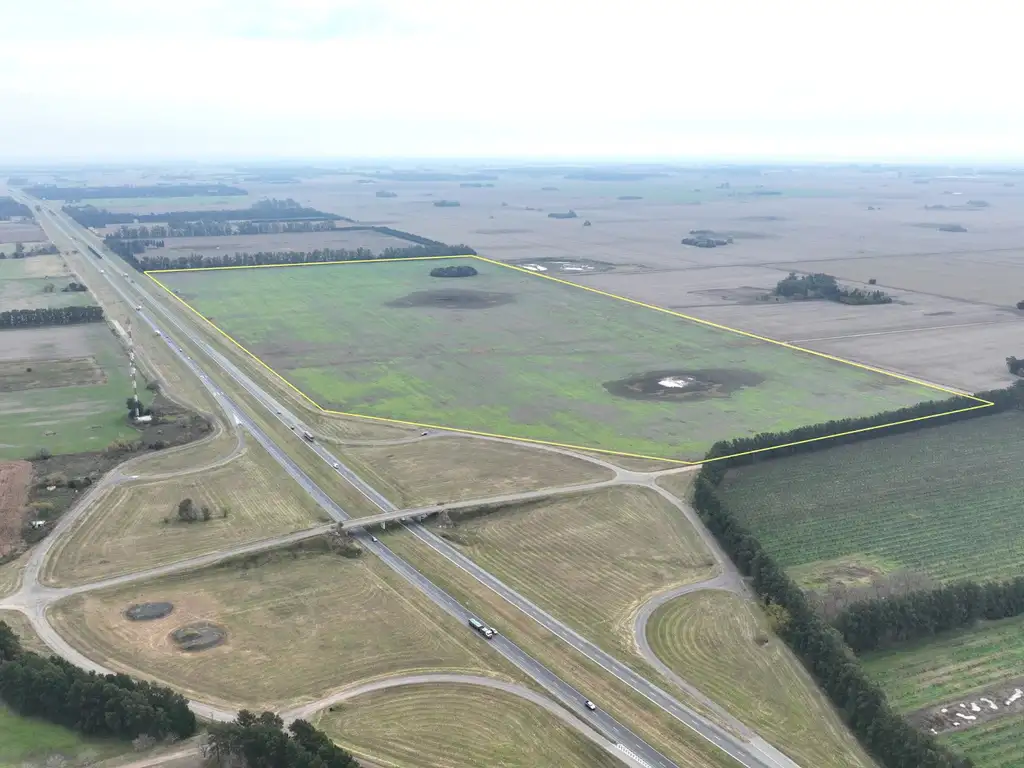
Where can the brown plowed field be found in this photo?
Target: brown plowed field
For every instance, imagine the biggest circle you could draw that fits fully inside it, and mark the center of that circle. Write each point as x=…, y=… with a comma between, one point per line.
x=14, y=480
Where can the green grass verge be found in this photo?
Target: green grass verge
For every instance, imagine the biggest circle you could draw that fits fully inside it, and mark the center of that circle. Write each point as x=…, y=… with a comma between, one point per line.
x=532, y=367
x=943, y=501
x=25, y=740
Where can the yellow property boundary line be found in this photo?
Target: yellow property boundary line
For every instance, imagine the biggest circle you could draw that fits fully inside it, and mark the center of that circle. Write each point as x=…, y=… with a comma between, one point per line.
x=982, y=403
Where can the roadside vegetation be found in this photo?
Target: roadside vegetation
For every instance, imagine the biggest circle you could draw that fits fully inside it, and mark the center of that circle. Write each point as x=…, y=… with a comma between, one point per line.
x=296, y=624
x=135, y=526
x=590, y=559
x=458, y=726
x=445, y=469
x=724, y=645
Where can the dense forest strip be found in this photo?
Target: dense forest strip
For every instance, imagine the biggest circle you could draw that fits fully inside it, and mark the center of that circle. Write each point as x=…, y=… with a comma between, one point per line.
x=111, y=706
x=263, y=210
x=10, y=207
x=37, y=318
x=54, y=192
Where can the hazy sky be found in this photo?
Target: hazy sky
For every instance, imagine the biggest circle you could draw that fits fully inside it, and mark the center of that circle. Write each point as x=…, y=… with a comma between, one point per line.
x=823, y=79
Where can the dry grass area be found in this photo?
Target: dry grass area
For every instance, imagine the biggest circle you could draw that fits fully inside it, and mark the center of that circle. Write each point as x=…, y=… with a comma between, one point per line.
x=721, y=643
x=299, y=625
x=18, y=375
x=658, y=728
x=679, y=485
x=23, y=629
x=592, y=559
x=10, y=575
x=458, y=726
x=15, y=477
x=453, y=469
x=126, y=531
x=344, y=428
x=189, y=457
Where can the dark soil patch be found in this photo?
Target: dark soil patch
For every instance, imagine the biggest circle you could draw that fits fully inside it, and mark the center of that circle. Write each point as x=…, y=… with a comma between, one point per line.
x=1000, y=700
x=453, y=298
x=200, y=636
x=148, y=611
x=745, y=294
x=502, y=231
x=683, y=385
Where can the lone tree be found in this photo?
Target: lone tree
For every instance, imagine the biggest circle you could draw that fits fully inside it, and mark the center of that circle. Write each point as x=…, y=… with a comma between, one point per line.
x=187, y=511
x=1015, y=365
x=1020, y=304
x=455, y=270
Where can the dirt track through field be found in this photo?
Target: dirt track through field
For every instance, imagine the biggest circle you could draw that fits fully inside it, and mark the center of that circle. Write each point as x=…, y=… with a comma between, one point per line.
x=14, y=480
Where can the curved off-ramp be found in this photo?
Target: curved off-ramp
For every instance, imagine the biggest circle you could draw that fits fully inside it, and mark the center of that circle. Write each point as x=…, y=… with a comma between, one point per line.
x=563, y=715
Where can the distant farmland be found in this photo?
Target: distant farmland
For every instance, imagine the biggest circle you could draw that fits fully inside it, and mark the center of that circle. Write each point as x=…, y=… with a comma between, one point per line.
x=511, y=353
x=944, y=501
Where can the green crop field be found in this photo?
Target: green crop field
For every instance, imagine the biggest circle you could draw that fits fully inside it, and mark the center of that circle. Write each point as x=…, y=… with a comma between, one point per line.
x=944, y=501
x=22, y=282
x=28, y=741
x=959, y=667
x=512, y=353
x=55, y=410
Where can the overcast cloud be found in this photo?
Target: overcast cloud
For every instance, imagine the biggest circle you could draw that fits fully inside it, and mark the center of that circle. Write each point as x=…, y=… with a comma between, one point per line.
x=828, y=79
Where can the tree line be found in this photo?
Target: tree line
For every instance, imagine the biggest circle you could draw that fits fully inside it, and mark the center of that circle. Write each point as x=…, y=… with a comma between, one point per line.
x=204, y=228
x=849, y=430
x=821, y=647
x=822, y=286
x=261, y=741
x=871, y=624
x=54, y=192
x=35, y=318
x=196, y=260
x=20, y=252
x=106, y=706
x=1015, y=365
x=264, y=210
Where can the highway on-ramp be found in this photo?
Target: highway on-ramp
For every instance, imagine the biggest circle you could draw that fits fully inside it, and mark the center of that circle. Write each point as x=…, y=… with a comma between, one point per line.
x=753, y=754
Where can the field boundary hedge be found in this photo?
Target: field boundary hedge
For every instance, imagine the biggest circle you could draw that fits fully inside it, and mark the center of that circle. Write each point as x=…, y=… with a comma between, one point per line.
x=891, y=740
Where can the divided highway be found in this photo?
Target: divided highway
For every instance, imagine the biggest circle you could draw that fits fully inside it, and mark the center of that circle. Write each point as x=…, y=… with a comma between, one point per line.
x=634, y=750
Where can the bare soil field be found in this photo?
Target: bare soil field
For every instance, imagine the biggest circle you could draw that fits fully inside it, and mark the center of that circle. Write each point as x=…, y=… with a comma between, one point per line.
x=19, y=232
x=136, y=526
x=285, y=241
x=297, y=625
x=452, y=469
x=52, y=343
x=14, y=479
x=69, y=372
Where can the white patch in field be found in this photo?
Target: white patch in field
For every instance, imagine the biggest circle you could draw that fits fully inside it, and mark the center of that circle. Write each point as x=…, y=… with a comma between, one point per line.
x=676, y=382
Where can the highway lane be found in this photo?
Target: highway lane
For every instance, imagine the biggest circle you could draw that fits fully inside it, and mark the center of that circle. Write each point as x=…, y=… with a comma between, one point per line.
x=637, y=752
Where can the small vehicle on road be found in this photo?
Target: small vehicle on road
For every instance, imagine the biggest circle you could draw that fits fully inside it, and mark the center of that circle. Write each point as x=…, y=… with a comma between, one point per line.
x=374, y=538
x=590, y=705
x=336, y=465
x=482, y=628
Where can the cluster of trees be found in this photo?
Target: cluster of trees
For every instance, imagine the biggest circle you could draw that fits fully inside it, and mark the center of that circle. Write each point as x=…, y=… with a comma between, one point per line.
x=261, y=741
x=264, y=210
x=447, y=203
x=110, y=706
x=1020, y=304
x=194, y=260
x=205, y=228
x=822, y=286
x=871, y=624
x=10, y=207
x=190, y=512
x=566, y=215
x=34, y=318
x=74, y=287
x=821, y=647
x=455, y=270
x=1015, y=365
x=20, y=252
x=53, y=192
x=129, y=249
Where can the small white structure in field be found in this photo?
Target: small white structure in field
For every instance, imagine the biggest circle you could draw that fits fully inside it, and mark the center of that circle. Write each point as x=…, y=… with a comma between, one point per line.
x=144, y=419
x=37, y=523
